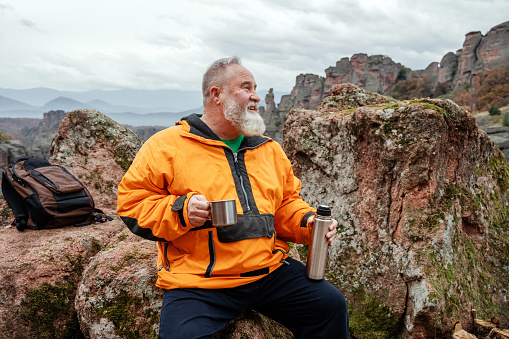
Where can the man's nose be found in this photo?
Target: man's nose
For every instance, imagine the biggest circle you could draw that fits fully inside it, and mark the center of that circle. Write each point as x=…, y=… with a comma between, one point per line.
x=254, y=97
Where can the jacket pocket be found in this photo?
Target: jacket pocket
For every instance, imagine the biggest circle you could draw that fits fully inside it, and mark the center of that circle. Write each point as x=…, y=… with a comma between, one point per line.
x=248, y=226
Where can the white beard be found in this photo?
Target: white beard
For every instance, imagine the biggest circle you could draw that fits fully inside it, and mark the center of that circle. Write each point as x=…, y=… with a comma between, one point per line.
x=247, y=122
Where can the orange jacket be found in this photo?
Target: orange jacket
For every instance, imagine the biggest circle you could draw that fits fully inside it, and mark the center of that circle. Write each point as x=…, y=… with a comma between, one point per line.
x=190, y=159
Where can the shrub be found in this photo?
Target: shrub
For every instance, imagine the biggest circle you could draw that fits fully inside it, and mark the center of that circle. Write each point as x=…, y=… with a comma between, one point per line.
x=4, y=137
x=505, y=120
x=494, y=110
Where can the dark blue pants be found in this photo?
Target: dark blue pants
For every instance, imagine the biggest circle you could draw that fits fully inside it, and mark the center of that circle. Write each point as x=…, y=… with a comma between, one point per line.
x=308, y=308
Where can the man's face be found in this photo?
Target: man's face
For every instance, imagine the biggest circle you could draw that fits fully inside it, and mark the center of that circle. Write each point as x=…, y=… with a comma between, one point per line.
x=240, y=103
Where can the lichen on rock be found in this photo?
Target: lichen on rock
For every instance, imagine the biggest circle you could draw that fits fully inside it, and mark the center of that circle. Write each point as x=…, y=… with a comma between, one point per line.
x=348, y=96
x=420, y=194
x=97, y=150
x=117, y=292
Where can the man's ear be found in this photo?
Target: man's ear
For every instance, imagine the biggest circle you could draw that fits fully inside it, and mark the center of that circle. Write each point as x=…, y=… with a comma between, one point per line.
x=215, y=94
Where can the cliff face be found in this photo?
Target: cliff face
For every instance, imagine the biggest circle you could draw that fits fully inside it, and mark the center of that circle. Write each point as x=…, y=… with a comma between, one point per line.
x=482, y=52
x=420, y=195
x=377, y=73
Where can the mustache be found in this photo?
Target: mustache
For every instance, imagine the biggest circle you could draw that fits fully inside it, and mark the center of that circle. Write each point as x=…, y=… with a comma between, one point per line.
x=252, y=104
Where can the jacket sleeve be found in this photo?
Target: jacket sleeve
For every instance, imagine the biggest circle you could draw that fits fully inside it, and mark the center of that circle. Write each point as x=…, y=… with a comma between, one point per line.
x=291, y=217
x=144, y=200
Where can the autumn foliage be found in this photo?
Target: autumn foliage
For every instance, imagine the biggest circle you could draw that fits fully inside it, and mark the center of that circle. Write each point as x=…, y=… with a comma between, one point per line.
x=419, y=88
x=489, y=88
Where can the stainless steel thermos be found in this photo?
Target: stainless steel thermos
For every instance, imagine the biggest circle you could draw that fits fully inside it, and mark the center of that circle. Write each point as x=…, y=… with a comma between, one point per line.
x=318, y=248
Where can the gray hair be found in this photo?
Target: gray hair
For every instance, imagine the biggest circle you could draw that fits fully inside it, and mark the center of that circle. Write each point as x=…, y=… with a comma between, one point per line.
x=214, y=76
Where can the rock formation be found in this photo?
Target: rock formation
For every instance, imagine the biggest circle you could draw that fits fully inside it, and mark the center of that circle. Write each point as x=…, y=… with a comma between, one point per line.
x=273, y=118
x=482, y=52
x=10, y=150
x=307, y=92
x=39, y=275
x=378, y=73
x=38, y=139
x=97, y=150
x=420, y=195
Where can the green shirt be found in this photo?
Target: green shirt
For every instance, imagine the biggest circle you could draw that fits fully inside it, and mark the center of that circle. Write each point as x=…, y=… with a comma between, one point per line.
x=234, y=144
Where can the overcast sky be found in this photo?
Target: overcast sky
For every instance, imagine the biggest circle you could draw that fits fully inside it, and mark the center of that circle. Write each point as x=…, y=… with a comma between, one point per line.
x=167, y=44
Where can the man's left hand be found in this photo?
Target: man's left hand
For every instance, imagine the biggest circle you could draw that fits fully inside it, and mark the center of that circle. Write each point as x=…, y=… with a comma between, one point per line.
x=332, y=229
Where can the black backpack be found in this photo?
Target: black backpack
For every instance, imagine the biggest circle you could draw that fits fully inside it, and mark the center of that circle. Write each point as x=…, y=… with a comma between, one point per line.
x=43, y=195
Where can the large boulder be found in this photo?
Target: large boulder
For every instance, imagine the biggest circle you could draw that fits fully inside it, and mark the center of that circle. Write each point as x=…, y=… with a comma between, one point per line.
x=39, y=276
x=40, y=270
x=97, y=150
x=117, y=296
x=420, y=194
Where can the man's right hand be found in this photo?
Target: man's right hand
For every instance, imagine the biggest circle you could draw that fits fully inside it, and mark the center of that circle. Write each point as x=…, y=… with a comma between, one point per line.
x=198, y=210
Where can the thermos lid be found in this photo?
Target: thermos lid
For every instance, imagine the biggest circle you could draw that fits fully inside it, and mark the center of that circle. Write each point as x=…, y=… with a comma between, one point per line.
x=324, y=211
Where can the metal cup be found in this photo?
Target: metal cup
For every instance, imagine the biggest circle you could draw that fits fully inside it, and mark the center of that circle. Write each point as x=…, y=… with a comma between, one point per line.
x=223, y=212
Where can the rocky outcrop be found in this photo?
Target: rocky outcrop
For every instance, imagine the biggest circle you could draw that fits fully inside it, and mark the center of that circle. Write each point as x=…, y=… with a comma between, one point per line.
x=307, y=92
x=39, y=276
x=420, y=194
x=117, y=296
x=97, y=150
x=273, y=118
x=375, y=73
x=34, y=142
x=38, y=139
x=10, y=150
x=378, y=73
x=448, y=68
x=482, y=52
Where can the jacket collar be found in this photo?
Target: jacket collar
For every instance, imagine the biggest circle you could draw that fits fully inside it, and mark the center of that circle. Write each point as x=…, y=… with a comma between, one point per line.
x=199, y=128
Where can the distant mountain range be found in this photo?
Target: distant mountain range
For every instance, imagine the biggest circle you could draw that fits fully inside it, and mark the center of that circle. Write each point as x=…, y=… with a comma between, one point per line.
x=126, y=106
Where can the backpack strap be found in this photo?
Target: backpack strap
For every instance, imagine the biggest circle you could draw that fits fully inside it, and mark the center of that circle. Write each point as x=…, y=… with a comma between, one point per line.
x=99, y=217
x=15, y=202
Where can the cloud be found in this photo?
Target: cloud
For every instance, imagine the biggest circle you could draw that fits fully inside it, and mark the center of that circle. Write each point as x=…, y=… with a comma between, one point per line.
x=168, y=44
x=29, y=24
x=5, y=8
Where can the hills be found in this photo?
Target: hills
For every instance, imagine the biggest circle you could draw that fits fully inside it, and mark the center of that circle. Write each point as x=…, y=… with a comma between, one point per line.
x=124, y=114
x=127, y=106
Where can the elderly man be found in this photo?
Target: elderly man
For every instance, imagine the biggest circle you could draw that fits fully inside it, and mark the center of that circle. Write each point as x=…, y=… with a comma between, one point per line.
x=213, y=274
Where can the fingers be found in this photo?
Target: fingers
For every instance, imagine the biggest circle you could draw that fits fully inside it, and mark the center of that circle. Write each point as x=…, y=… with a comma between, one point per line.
x=332, y=232
x=198, y=210
x=311, y=220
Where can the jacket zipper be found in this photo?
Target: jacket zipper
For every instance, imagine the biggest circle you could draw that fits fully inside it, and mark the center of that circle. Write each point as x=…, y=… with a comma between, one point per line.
x=166, y=261
x=212, y=255
x=237, y=169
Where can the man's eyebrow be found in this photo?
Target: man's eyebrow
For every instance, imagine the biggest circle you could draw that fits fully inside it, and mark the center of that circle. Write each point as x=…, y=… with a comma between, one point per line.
x=247, y=82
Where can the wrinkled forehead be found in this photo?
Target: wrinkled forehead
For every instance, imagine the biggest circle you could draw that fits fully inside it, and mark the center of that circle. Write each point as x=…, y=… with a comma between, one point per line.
x=238, y=74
